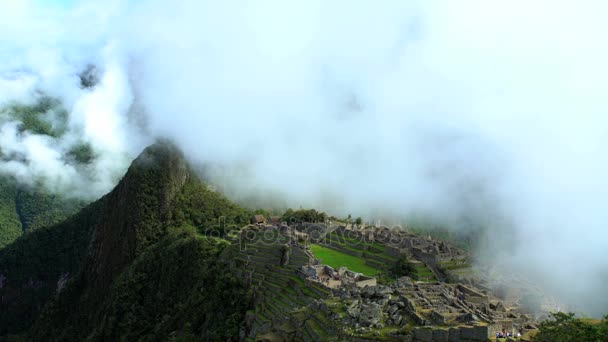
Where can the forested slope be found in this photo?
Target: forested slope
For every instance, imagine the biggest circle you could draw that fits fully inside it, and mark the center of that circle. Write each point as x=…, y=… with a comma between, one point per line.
x=142, y=260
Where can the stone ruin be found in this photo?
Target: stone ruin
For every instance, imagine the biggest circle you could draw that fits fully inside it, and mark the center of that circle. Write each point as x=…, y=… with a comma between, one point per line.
x=471, y=312
x=442, y=311
x=335, y=279
x=399, y=243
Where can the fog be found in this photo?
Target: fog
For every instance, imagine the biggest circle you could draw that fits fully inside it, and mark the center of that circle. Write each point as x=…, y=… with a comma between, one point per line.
x=485, y=113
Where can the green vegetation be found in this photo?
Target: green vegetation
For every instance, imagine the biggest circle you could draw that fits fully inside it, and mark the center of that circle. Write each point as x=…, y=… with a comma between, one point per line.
x=404, y=267
x=453, y=265
x=138, y=266
x=463, y=239
x=149, y=262
x=356, y=244
x=424, y=273
x=181, y=286
x=416, y=271
x=564, y=327
x=45, y=117
x=34, y=263
x=10, y=225
x=25, y=209
x=82, y=153
x=37, y=208
x=303, y=215
x=209, y=212
x=371, y=254
x=336, y=259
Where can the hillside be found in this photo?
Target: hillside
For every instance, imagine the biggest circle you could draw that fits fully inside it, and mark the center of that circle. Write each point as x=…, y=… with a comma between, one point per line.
x=163, y=257
x=25, y=209
x=34, y=266
x=154, y=216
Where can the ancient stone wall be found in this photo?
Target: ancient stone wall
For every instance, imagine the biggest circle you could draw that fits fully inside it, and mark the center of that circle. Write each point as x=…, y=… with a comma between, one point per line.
x=366, y=282
x=393, y=251
x=428, y=258
x=499, y=326
x=472, y=295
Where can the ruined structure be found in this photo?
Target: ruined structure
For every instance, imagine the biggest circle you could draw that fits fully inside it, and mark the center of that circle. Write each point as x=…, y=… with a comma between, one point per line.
x=335, y=279
x=305, y=300
x=258, y=219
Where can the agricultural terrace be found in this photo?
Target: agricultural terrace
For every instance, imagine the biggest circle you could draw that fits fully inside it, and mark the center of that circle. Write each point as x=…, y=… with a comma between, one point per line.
x=337, y=259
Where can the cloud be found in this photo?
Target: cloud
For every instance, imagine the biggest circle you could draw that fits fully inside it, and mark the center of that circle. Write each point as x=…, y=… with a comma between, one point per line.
x=486, y=113
x=44, y=49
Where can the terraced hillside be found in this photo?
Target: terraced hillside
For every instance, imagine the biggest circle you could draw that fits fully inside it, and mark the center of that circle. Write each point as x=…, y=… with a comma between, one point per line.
x=283, y=301
x=374, y=254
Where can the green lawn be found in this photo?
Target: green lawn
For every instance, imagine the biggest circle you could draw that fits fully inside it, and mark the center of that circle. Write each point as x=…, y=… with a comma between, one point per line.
x=336, y=259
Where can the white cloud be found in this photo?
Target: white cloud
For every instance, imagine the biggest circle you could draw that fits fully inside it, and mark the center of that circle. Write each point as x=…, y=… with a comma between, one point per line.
x=486, y=110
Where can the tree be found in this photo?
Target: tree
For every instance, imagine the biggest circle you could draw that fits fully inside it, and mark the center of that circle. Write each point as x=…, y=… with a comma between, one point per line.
x=358, y=220
x=603, y=329
x=304, y=215
x=564, y=327
x=404, y=267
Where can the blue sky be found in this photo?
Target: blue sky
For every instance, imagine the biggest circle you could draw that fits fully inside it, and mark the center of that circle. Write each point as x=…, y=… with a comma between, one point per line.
x=62, y=3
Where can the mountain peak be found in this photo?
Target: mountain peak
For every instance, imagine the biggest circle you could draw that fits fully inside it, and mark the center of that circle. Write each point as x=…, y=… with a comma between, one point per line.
x=136, y=212
x=150, y=235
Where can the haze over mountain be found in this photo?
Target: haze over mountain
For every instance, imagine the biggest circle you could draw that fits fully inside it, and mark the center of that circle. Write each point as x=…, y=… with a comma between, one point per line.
x=74, y=280
x=471, y=114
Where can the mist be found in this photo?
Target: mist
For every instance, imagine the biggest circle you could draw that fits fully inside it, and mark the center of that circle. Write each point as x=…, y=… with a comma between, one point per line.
x=485, y=113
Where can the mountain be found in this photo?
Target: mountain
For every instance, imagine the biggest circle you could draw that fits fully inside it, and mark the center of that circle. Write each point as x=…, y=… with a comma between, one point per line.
x=26, y=208
x=10, y=224
x=131, y=263
x=163, y=257
x=32, y=267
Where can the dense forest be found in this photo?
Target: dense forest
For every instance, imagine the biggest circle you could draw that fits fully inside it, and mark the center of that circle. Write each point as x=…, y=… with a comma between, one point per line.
x=33, y=265
x=141, y=259
x=25, y=208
